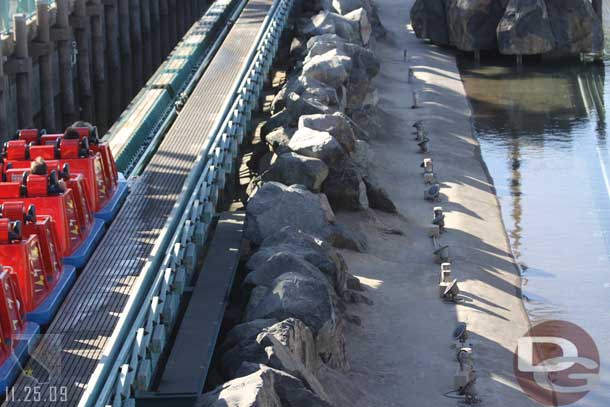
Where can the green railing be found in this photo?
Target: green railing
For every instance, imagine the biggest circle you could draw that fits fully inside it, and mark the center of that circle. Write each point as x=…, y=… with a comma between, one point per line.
x=8, y=8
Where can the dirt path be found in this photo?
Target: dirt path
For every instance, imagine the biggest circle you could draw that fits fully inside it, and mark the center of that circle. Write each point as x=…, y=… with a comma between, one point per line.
x=402, y=353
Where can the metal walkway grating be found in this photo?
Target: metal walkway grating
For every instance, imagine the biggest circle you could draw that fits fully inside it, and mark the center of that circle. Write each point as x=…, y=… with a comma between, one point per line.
x=73, y=343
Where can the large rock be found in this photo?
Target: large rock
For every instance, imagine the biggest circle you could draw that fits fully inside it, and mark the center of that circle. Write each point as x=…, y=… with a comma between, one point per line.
x=310, y=248
x=278, y=264
x=378, y=196
x=301, y=89
x=265, y=387
x=360, y=19
x=274, y=206
x=575, y=26
x=288, y=346
x=354, y=27
x=331, y=68
x=363, y=58
x=311, y=301
x=345, y=188
x=291, y=168
x=306, y=103
x=525, y=29
x=346, y=6
x=246, y=331
x=429, y=20
x=279, y=138
x=317, y=144
x=337, y=125
x=472, y=23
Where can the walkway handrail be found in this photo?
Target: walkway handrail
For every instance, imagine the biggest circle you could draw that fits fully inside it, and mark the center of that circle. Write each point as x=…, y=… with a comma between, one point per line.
x=132, y=353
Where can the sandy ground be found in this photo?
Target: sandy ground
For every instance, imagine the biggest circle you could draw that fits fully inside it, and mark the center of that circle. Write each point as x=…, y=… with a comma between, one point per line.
x=402, y=355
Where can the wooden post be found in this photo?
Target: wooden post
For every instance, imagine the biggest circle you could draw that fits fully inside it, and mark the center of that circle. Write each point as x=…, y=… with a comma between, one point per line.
x=188, y=13
x=181, y=18
x=155, y=24
x=125, y=42
x=136, y=43
x=23, y=71
x=80, y=22
x=146, y=40
x=3, y=95
x=113, y=51
x=597, y=6
x=62, y=34
x=44, y=48
x=164, y=27
x=173, y=23
x=195, y=10
x=96, y=10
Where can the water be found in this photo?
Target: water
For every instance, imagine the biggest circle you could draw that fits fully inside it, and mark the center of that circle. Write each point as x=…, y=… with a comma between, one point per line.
x=544, y=138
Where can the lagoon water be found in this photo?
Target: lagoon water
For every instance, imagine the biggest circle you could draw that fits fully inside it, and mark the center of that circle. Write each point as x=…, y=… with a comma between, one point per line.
x=545, y=140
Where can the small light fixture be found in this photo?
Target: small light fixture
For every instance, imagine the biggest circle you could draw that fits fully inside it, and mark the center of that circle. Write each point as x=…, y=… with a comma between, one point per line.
x=415, y=100
x=427, y=165
x=438, y=218
x=432, y=193
x=442, y=254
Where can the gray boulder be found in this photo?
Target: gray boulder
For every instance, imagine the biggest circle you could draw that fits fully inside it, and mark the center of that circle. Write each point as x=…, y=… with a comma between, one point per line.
x=278, y=264
x=345, y=188
x=311, y=301
x=347, y=27
x=265, y=387
x=346, y=6
x=472, y=23
x=274, y=206
x=331, y=68
x=575, y=26
x=280, y=120
x=298, y=105
x=279, y=138
x=321, y=96
x=525, y=29
x=363, y=59
x=335, y=124
x=288, y=346
x=311, y=249
x=429, y=20
x=246, y=331
x=333, y=39
x=299, y=296
x=291, y=168
x=360, y=19
x=378, y=197
x=317, y=144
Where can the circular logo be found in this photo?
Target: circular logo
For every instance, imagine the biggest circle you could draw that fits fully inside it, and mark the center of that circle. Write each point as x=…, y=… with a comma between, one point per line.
x=556, y=363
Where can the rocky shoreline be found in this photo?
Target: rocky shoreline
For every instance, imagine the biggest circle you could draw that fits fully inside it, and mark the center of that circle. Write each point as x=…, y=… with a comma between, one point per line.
x=553, y=28
x=311, y=158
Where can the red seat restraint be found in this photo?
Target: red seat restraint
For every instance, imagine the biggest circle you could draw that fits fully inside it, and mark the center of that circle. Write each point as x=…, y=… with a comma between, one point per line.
x=12, y=311
x=25, y=257
x=49, y=139
x=14, y=211
x=37, y=185
x=29, y=136
x=10, y=190
x=46, y=152
x=4, y=229
x=69, y=149
x=16, y=150
x=44, y=228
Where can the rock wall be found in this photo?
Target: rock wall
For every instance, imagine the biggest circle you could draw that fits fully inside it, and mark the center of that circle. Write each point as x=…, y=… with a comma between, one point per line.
x=288, y=348
x=560, y=28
